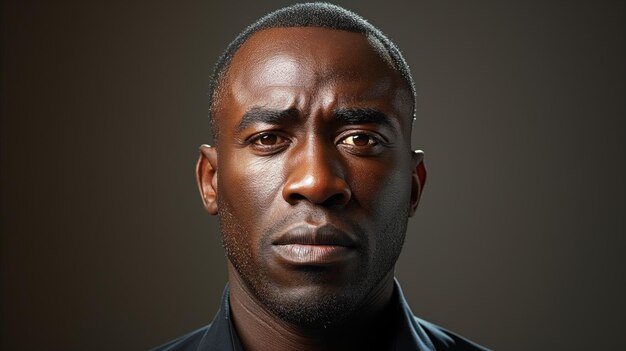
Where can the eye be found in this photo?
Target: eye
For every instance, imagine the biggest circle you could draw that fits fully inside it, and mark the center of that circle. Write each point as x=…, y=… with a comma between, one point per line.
x=268, y=139
x=359, y=140
x=268, y=143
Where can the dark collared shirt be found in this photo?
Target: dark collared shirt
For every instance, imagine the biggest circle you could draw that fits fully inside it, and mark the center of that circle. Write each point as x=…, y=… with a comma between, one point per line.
x=411, y=333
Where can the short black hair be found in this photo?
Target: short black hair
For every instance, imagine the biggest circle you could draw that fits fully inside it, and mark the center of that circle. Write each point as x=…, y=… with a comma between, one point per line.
x=317, y=14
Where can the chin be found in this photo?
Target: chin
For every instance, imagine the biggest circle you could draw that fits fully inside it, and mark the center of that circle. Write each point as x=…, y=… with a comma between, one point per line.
x=312, y=306
x=312, y=301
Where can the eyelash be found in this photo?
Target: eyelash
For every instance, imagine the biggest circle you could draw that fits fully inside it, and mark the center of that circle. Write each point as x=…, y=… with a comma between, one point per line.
x=376, y=140
x=255, y=140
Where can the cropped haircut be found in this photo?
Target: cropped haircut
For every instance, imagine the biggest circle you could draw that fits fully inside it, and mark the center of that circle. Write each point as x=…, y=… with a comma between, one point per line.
x=323, y=15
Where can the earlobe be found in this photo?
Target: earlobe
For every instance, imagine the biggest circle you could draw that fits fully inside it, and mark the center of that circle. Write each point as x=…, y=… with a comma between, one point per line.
x=206, y=176
x=418, y=180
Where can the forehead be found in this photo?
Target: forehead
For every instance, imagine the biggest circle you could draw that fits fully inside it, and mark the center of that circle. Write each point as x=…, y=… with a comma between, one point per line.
x=336, y=53
x=312, y=68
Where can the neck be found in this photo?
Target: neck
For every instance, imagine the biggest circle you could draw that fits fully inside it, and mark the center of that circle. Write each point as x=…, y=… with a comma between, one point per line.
x=260, y=330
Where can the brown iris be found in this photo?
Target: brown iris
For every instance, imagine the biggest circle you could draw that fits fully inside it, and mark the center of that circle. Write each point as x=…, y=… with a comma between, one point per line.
x=359, y=140
x=268, y=139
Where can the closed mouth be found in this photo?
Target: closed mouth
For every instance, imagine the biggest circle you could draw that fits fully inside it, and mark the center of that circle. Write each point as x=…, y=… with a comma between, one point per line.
x=327, y=235
x=314, y=246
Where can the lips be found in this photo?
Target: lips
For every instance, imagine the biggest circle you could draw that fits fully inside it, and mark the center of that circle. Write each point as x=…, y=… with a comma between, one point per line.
x=317, y=246
x=320, y=235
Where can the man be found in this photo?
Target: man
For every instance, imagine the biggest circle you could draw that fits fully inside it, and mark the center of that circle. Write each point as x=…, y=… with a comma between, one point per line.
x=313, y=179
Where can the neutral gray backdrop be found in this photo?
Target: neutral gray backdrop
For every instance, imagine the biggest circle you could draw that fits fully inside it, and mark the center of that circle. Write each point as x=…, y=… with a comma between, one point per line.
x=519, y=240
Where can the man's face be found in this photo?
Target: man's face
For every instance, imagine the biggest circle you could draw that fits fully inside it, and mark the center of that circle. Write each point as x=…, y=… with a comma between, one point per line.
x=313, y=175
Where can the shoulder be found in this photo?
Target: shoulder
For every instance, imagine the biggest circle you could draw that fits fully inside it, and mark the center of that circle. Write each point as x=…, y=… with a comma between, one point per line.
x=189, y=342
x=444, y=339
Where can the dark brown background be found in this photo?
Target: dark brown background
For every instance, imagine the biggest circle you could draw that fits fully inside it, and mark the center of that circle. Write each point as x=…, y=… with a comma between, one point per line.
x=519, y=242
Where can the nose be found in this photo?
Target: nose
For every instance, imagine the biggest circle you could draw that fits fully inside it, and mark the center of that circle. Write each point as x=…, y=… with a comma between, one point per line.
x=317, y=175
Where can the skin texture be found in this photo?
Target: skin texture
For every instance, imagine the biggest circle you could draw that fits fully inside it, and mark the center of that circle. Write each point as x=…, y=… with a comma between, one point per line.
x=313, y=179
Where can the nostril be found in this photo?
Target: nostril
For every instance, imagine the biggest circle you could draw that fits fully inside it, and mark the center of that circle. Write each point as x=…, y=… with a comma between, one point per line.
x=295, y=197
x=335, y=200
x=338, y=199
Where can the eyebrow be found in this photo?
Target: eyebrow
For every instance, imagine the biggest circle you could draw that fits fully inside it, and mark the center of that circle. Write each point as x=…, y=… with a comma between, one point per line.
x=348, y=116
x=268, y=116
x=362, y=116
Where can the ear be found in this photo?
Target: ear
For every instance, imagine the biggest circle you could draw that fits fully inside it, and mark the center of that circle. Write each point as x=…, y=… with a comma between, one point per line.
x=206, y=175
x=418, y=179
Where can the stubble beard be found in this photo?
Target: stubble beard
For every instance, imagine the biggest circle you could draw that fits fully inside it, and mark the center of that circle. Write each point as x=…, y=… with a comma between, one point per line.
x=300, y=308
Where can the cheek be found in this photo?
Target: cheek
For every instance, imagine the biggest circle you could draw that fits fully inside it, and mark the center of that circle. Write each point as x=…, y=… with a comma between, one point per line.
x=246, y=189
x=249, y=185
x=381, y=186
